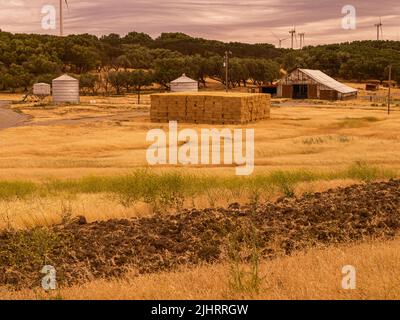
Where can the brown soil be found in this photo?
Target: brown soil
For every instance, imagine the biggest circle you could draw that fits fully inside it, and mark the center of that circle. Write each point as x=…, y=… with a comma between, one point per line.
x=82, y=252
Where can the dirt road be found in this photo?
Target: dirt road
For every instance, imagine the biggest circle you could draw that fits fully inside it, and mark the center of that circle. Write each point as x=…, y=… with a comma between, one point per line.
x=9, y=118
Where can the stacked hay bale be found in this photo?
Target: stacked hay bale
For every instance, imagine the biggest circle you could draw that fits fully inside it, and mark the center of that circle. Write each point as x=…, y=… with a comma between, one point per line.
x=210, y=108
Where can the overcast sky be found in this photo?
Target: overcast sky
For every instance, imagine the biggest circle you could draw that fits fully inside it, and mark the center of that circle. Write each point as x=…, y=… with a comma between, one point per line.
x=228, y=20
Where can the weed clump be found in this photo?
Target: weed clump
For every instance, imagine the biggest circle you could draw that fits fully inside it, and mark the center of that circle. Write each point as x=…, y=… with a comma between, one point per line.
x=24, y=251
x=244, y=256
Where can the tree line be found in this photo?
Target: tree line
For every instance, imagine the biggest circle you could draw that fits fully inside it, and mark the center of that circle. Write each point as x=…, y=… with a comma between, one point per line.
x=357, y=61
x=113, y=63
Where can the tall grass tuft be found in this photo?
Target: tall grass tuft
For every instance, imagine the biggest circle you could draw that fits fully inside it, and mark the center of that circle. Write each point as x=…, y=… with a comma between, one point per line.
x=172, y=190
x=10, y=190
x=287, y=180
x=244, y=254
x=363, y=172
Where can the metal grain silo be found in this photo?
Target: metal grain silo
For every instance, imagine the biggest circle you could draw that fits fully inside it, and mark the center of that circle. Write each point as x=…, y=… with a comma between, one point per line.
x=41, y=89
x=66, y=90
x=184, y=84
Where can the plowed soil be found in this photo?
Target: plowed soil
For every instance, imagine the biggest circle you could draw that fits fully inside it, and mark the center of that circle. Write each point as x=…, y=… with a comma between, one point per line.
x=82, y=252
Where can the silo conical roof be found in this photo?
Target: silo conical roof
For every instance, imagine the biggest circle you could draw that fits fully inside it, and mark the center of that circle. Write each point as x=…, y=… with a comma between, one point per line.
x=184, y=79
x=65, y=77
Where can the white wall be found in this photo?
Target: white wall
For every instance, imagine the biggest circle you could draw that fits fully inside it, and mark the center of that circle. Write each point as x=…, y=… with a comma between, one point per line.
x=184, y=87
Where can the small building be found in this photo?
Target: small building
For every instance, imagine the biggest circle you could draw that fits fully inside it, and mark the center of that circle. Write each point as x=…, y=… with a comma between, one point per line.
x=41, y=89
x=388, y=84
x=313, y=84
x=372, y=86
x=184, y=84
x=271, y=89
x=66, y=90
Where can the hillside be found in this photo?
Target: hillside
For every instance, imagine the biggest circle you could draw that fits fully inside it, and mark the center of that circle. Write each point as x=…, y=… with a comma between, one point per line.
x=27, y=58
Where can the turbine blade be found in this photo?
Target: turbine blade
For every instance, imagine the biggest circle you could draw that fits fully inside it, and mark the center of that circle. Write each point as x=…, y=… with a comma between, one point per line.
x=274, y=34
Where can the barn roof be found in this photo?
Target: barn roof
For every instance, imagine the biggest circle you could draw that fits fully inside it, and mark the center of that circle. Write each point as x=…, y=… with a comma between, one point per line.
x=184, y=79
x=326, y=80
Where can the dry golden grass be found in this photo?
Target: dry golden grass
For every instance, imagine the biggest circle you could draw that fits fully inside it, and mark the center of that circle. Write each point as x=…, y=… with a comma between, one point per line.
x=316, y=274
x=117, y=145
x=47, y=211
x=319, y=137
x=322, y=137
x=11, y=96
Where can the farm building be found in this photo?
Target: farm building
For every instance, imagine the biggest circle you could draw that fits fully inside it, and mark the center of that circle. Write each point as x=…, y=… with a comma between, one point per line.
x=313, y=84
x=41, y=89
x=66, y=90
x=271, y=89
x=372, y=86
x=388, y=84
x=184, y=84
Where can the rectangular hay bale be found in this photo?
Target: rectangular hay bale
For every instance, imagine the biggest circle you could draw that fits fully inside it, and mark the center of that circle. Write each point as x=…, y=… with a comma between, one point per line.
x=210, y=107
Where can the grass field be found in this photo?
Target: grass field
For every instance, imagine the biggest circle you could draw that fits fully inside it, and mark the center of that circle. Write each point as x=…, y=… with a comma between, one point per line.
x=52, y=165
x=316, y=274
x=27, y=204
x=89, y=160
x=295, y=137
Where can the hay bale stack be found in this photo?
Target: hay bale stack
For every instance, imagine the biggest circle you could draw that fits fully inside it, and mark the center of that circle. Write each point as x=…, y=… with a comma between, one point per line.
x=210, y=108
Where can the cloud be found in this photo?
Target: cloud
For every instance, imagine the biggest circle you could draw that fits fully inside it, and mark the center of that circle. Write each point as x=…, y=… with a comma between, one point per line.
x=228, y=20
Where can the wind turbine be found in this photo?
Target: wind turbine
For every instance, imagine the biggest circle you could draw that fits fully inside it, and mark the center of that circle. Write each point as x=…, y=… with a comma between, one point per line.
x=280, y=40
x=62, y=17
x=293, y=36
x=379, y=30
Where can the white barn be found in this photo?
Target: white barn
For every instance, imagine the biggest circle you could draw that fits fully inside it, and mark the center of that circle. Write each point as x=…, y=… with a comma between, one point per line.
x=313, y=84
x=184, y=84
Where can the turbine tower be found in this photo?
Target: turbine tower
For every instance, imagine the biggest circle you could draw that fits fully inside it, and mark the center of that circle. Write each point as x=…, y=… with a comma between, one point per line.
x=293, y=36
x=302, y=39
x=379, y=30
x=62, y=17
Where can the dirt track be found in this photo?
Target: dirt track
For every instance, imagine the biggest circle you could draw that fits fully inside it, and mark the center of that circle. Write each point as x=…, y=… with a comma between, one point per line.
x=9, y=118
x=81, y=252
